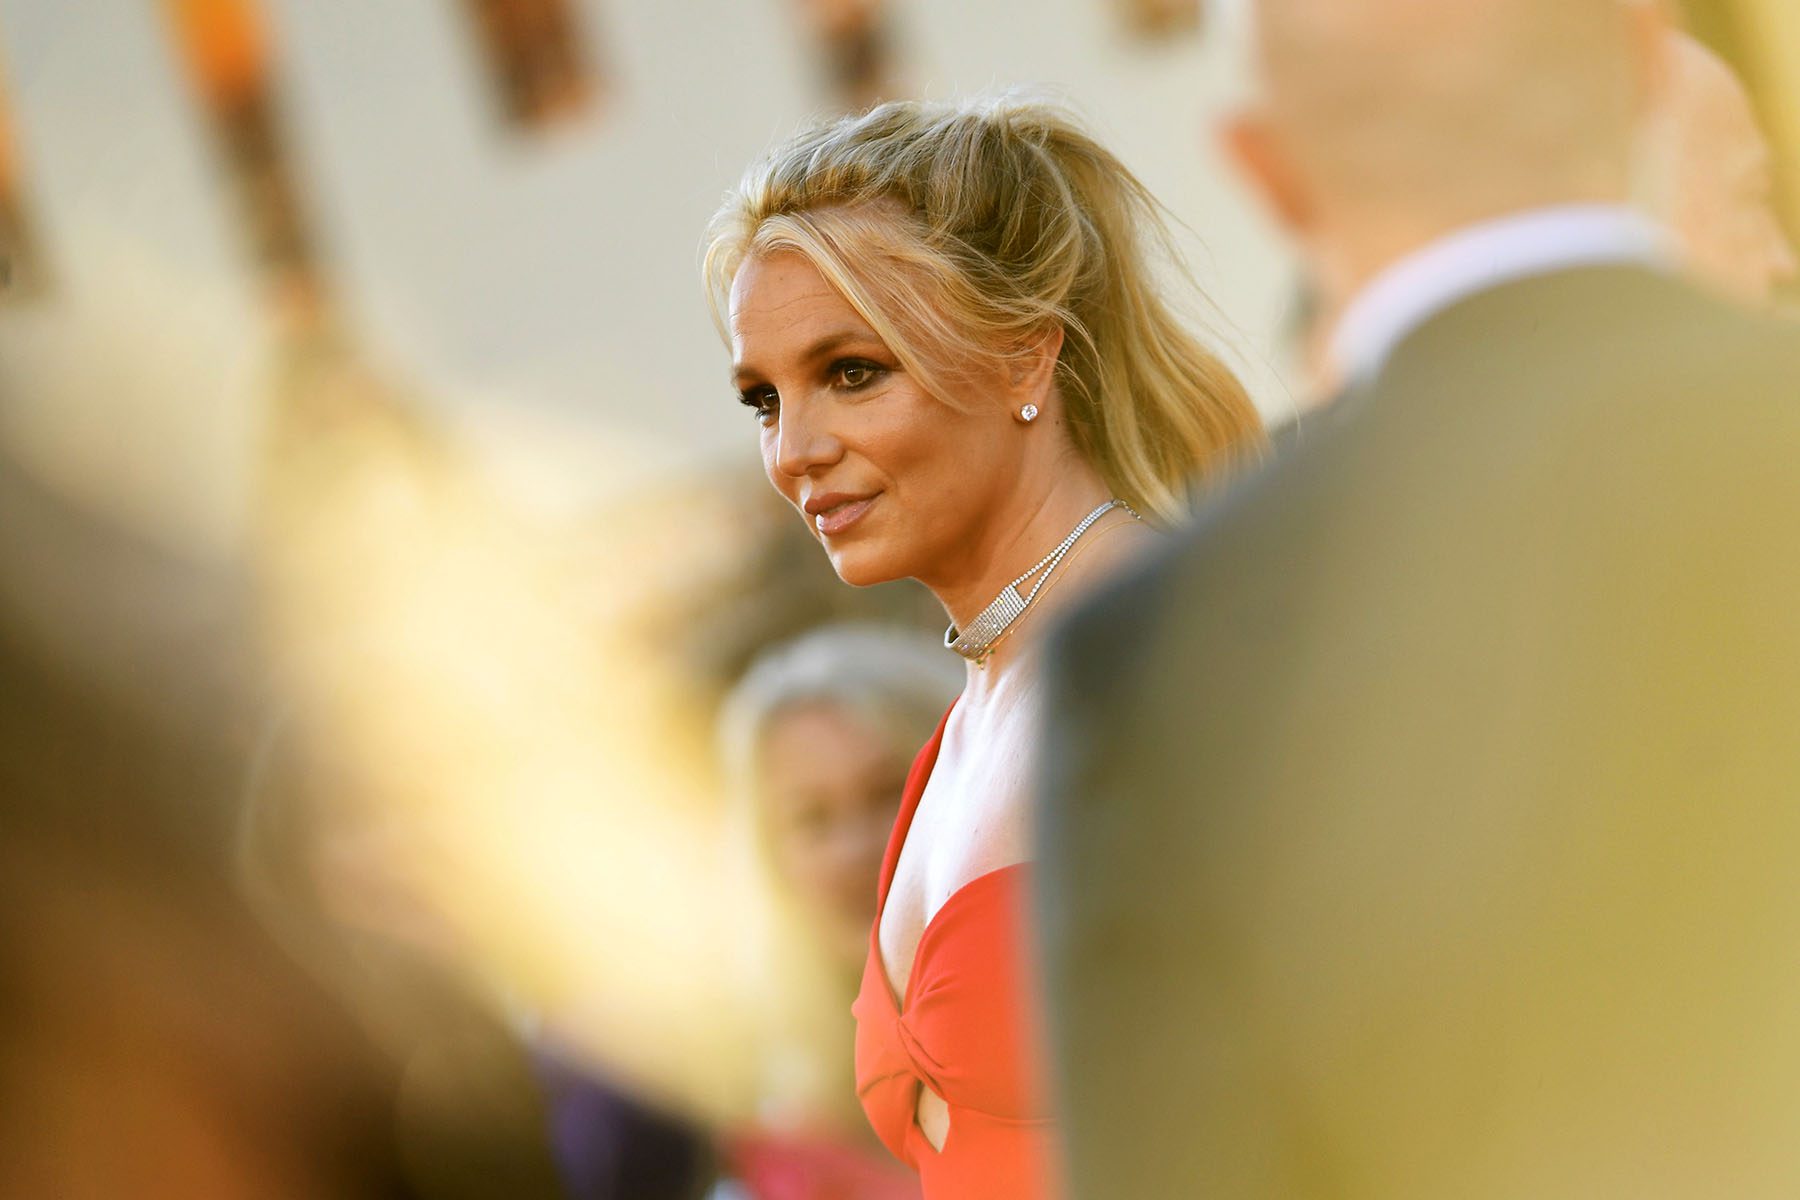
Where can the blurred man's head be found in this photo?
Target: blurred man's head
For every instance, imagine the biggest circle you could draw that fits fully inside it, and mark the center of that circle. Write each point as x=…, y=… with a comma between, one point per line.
x=1384, y=124
x=1710, y=176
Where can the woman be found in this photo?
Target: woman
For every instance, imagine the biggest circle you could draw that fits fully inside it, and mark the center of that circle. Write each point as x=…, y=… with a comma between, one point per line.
x=817, y=738
x=945, y=323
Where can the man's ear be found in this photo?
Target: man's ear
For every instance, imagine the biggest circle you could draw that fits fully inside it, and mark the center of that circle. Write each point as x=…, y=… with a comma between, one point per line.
x=1653, y=29
x=1253, y=148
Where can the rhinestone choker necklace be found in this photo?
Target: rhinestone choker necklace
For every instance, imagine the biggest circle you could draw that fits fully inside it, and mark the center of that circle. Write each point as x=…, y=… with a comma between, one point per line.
x=977, y=642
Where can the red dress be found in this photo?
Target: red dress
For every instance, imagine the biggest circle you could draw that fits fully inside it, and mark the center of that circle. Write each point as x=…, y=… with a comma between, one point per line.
x=798, y=1167
x=967, y=1027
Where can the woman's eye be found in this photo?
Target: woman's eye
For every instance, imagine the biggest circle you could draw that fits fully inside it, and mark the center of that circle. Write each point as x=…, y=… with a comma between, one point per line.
x=761, y=401
x=810, y=823
x=855, y=374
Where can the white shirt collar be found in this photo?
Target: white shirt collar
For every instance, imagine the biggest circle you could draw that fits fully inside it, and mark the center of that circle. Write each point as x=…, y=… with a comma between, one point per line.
x=1419, y=286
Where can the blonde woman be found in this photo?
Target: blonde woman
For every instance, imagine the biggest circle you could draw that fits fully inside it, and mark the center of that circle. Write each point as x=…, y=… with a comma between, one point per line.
x=946, y=323
x=816, y=739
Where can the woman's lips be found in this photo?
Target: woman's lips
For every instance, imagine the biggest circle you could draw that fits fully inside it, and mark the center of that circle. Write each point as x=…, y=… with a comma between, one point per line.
x=840, y=517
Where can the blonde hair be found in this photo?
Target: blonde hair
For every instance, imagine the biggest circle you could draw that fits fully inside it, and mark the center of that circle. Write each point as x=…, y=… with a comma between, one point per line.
x=901, y=680
x=962, y=233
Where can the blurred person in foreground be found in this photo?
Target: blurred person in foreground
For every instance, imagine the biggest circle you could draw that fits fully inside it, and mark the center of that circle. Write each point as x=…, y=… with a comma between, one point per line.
x=947, y=325
x=1710, y=176
x=487, y=1104
x=1705, y=172
x=1421, y=824
x=154, y=1042
x=816, y=740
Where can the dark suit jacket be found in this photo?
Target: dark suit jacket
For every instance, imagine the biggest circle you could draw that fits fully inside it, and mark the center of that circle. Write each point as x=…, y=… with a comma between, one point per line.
x=1425, y=820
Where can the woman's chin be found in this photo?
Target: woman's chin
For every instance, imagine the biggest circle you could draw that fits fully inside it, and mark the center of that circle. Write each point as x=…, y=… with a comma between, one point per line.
x=861, y=567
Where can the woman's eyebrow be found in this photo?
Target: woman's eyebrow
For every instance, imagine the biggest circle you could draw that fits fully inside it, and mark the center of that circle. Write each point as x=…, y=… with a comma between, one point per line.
x=819, y=348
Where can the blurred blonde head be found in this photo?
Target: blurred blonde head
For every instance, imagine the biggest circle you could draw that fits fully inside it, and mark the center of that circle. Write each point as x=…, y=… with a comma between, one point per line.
x=817, y=738
x=851, y=704
x=971, y=233
x=1708, y=173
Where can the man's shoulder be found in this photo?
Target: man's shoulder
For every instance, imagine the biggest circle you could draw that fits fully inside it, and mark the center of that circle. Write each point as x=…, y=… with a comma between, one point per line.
x=1122, y=618
x=1580, y=327
x=1570, y=368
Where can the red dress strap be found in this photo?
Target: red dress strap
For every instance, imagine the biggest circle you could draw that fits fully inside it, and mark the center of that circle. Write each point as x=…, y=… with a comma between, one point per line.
x=967, y=1027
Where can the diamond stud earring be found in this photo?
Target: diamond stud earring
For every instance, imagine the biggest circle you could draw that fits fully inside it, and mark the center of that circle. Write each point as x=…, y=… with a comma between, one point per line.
x=1029, y=413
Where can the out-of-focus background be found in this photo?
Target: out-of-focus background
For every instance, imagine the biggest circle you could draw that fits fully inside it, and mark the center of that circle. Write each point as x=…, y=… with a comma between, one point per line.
x=502, y=210
x=380, y=542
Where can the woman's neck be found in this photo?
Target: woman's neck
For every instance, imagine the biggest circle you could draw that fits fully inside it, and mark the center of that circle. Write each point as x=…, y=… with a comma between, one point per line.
x=1014, y=546
x=1006, y=544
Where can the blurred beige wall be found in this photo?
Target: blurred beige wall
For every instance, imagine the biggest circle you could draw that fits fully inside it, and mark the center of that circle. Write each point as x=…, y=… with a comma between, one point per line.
x=539, y=292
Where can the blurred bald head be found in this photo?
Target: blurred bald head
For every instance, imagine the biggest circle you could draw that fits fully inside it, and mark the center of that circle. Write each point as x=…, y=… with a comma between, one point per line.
x=1711, y=176
x=1387, y=123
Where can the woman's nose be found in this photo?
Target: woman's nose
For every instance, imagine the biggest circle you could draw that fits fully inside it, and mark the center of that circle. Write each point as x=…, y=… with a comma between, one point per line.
x=804, y=442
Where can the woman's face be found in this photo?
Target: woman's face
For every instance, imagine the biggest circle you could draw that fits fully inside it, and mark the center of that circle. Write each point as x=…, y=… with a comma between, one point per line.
x=889, y=479
x=829, y=785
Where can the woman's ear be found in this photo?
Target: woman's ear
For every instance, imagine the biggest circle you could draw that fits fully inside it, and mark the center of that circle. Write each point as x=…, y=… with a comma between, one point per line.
x=1033, y=370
